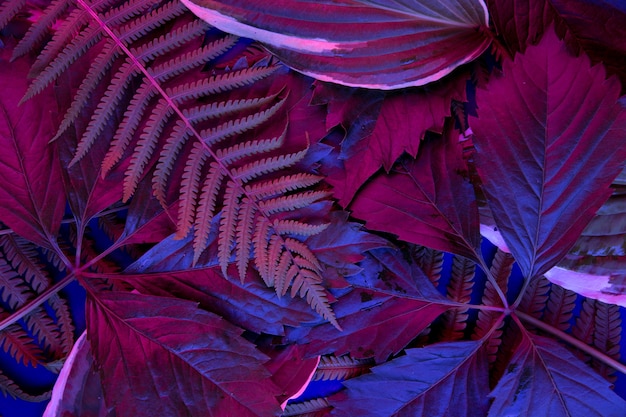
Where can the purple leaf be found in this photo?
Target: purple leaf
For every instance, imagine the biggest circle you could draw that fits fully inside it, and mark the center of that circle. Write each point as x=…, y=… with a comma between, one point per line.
x=32, y=201
x=548, y=157
x=342, y=244
x=426, y=201
x=604, y=43
x=382, y=44
x=520, y=22
x=444, y=379
x=391, y=302
x=162, y=356
x=78, y=390
x=384, y=127
x=545, y=379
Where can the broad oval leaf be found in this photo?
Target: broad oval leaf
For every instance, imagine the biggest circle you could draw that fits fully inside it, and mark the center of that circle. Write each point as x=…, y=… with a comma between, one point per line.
x=548, y=157
x=78, y=390
x=32, y=201
x=444, y=380
x=545, y=379
x=426, y=201
x=382, y=44
x=162, y=356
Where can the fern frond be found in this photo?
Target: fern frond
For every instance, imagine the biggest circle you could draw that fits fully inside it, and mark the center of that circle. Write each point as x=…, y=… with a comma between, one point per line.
x=239, y=126
x=23, y=257
x=228, y=224
x=332, y=368
x=99, y=66
x=288, y=183
x=145, y=23
x=145, y=148
x=193, y=59
x=313, y=408
x=169, y=41
x=9, y=10
x=459, y=289
x=291, y=202
x=108, y=104
x=15, y=292
x=535, y=298
x=9, y=387
x=265, y=166
x=229, y=170
x=190, y=186
x=64, y=322
x=561, y=303
x=293, y=227
x=430, y=261
x=43, y=327
x=17, y=343
x=127, y=127
x=243, y=238
x=225, y=108
x=500, y=270
x=218, y=84
x=206, y=208
x=584, y=326
x=307, y=285
x=607, y=336
x=37, y=31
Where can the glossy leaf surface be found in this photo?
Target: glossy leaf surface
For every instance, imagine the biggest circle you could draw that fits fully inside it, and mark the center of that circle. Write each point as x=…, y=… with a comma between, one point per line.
x=382, y=44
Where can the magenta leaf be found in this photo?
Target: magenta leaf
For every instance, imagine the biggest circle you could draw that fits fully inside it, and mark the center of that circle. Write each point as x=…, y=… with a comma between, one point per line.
x=426, y=201
x=548, y=157
x=445, y=379
x=521, y=22
x=162, y=356
x=384, y=128
x=604, y=43
x=342, y=244
x=378, y=44
x=78, y=390
x=32, y=201
x=545, y=379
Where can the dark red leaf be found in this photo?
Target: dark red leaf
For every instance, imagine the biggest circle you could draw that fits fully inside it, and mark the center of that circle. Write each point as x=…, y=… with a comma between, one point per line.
x=548, y=157
x=520, y=22
x=384, y=128
x=32, y=201
x=545, y=379
x=162, y=356
x=444, y=380
x=426, y=201
x=604, y=42
x=382, y=44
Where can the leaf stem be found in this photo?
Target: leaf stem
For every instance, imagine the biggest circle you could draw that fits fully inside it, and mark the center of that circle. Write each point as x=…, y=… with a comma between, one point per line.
x=590, y=350
x=35, y=302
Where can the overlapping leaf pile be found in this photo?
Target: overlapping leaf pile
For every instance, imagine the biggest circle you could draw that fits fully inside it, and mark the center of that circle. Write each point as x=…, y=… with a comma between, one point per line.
x=213, y=170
